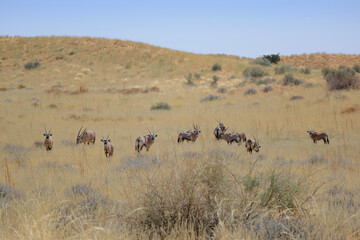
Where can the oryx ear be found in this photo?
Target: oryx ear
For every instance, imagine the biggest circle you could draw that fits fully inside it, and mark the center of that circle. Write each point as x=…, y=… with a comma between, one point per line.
x=109, y=140
x=156, y=135
x=44, y=134
x=50, y=134
x=102, y=140
x=259, y=147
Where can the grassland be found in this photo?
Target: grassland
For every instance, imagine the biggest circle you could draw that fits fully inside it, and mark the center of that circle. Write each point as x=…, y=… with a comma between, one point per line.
x=109, y=86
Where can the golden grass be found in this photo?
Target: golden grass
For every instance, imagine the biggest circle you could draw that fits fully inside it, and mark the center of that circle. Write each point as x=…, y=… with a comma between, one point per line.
x=105, y=101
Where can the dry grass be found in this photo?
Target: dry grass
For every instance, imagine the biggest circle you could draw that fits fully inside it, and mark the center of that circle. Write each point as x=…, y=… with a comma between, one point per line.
x=292, y=188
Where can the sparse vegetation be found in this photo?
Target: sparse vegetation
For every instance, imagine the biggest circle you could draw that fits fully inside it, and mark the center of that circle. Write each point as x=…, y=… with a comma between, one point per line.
x=341, y=78
x=356, y=67
x=160, y=106
x=296, y=97
x=256, y=72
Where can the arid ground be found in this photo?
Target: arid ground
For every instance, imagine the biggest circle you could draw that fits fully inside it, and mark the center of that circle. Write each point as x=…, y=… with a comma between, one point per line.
x=291, y=189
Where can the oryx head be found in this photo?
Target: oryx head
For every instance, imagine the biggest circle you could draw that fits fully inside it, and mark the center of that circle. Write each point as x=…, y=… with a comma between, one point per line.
x=197, y=129
x=221, y=125
x=47, y=134
x=256, y=145
x=152, y=135
x=310, y=131
x=79, y=135
x=106, y=141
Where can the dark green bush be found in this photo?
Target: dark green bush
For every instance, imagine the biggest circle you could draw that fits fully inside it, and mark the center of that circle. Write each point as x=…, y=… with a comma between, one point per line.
x=216, y=67
x=273, y=58
x=341, y=78
x=197, y=75
x=255, y=72
x=267, y=89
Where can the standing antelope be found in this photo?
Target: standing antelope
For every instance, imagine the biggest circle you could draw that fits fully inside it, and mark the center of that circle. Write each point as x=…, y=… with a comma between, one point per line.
x=108, y=146
x=232, y=137
x=219, y=129
x=318, y=136
x=85, y=137
x=49, y=142
x=251, y=145
x=190, y=135
x=146, y=141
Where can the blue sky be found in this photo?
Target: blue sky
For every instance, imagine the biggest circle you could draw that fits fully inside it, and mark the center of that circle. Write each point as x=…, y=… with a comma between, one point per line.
x=242, y=28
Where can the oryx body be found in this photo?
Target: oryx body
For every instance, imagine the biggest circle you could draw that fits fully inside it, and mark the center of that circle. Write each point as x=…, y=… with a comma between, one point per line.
x=190, y=135
x=318, y=136
x=146, y=141
x=233, y=137
x=49, y=142
x=85, y=136
x=252, y=145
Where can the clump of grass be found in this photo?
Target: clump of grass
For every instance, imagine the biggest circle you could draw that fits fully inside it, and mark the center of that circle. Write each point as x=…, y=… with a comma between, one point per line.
x=265, y=81
x=189, y=79
x=197, y=75
x=160, y=106
x=261, y=61
x=32, y=65
x=289, y=80
x=267, y=89
x=341, y=78
x=250, y=91
x=254, y=71
x=285, y=69
x=216, y=67
x=210, y=98
x=305, y=70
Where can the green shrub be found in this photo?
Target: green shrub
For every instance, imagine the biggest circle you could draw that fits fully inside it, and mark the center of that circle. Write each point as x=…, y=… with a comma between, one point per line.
x=341, y=78
x=197, y=75
x=273, y=58
x=160, y=106
x=255, y=72
x=32, y=65
x=250, y=91
x=216, y=67
x=289, y=80
x=267, y=89
x=210, y=98
x=261, y=61
x=285, y=69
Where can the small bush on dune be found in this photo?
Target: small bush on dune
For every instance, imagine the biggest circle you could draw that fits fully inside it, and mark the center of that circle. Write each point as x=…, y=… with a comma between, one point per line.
x=305, y=70
x=267, y=89
x=285, y=69
x=273, y=58
x=32, y=65
x=216, y=67
x=341, y=78
x=296, y=97
x=160, y=106
x=289, y=80
x=261, y=61
x=250, y=91
x=255, y=72
x=356, y=67
x=210, y=98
